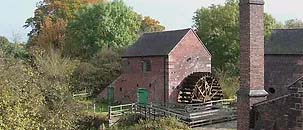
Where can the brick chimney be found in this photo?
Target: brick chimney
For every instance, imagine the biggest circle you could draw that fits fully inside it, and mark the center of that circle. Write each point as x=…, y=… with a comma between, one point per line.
x=251, y=60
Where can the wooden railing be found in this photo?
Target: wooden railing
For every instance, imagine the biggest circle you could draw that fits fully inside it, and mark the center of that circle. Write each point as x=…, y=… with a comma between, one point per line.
x=192, y=114
x=119, y=110
x=115, y=112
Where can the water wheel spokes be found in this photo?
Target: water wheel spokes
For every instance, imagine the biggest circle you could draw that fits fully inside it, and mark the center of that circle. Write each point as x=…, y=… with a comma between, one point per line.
x=200, y=87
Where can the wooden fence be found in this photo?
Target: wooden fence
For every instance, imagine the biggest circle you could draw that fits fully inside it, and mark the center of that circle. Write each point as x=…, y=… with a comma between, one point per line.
x=115, y=112
x=193, y=115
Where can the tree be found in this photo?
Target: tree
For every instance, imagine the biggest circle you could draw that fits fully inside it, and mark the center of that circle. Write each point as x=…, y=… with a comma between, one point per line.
x=21, y=99
x=13, y=49
x=293, y=24
x=50, y=19
x=4, y=44
x=218, y=27
x=59, y=110
x=111, y=25
x=270, y=23
x=51, y=35
x=37, y=96
x=97, y=73
x=149, y=24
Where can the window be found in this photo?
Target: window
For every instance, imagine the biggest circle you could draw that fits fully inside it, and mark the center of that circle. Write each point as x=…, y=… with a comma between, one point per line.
x=125, y=65
x=272, y=90
x=146, y=66
x=125, y=62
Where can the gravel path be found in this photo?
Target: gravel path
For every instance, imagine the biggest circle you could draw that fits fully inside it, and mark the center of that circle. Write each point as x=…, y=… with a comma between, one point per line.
x=232, y=125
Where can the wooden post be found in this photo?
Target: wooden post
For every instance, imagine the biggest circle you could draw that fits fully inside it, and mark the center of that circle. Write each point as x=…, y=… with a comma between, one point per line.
x=109, y=117
x=148, y=111
x=145, y=112
x=154, y=114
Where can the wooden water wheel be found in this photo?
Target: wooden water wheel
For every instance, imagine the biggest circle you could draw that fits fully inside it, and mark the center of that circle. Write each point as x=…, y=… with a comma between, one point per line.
x=200, y=87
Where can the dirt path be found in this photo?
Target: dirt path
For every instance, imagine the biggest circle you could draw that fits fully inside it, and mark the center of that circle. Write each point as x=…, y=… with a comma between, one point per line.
x=232, y=125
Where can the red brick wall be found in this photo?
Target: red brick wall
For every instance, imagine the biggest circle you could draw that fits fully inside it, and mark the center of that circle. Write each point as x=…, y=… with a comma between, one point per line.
x=281, y=71
x=251, y=60
x=133, y=78
x=281, y=113
x=272, y=114
x=187, y=57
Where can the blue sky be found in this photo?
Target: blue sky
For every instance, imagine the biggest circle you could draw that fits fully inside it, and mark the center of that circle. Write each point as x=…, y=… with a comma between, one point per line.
x=173, y=14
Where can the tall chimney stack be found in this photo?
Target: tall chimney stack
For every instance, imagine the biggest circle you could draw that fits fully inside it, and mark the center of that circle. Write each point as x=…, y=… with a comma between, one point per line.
x=251, y=60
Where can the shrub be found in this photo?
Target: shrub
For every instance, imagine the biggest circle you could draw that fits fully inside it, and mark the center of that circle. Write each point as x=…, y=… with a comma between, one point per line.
x=158, y=124
x=94, y=75
x=90, y=121
x=230, y=84
x=21, y=100
x=60, y=109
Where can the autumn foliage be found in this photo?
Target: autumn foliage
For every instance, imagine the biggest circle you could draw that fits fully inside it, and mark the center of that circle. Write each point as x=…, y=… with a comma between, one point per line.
x=50, y=21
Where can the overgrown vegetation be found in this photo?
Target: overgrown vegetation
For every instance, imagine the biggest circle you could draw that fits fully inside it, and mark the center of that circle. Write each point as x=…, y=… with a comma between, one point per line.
x=230, y=84
x=38, y=79
x=14, y=50
x=36, y=96
x=134, y=122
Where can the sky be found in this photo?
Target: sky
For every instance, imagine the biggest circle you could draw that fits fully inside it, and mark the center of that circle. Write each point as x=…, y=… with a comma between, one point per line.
x=173, y=14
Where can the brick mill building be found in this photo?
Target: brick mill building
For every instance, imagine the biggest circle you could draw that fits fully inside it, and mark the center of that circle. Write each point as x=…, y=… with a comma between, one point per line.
x=283, y=81
x=283, y=60
x=158, y=62
x=280, y=107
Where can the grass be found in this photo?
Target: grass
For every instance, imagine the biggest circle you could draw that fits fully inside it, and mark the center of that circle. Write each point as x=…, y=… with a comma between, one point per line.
x=100, y=107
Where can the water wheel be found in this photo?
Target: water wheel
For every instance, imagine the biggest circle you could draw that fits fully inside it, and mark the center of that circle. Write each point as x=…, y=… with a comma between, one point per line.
x=199, y=87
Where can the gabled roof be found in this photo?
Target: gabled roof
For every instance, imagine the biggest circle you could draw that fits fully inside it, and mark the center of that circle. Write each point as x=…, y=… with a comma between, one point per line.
x=285, y=41
x=156, y=44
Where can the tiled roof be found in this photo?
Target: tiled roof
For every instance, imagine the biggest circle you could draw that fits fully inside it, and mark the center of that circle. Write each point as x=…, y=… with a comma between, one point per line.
x=156, y=44
x=285, y=41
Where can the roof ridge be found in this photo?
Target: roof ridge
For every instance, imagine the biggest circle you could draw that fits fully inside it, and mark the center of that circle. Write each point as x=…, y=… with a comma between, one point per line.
x=168, y=31
x=289, y=29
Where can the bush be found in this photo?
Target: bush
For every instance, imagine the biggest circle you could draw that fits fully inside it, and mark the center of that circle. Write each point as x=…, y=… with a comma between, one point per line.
x=98, y=72
x=158, y=124
x=21, y=100
x=230, y=84
x=129, y=120
x=90, y=121
x=13, y=49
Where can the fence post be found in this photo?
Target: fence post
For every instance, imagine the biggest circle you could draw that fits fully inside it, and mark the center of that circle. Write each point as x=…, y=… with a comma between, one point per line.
x=109, y=117
x=145, y=112
x=154, y=114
